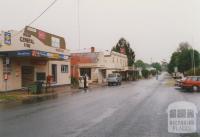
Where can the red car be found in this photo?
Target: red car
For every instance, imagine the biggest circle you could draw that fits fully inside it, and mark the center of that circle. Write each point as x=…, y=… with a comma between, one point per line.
x=191, y=82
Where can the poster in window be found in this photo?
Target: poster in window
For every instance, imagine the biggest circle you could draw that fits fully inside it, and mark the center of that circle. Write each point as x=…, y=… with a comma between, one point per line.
x=55, y=42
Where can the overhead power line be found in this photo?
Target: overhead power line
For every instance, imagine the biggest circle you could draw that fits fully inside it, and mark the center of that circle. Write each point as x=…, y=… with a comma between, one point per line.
x=35, y=19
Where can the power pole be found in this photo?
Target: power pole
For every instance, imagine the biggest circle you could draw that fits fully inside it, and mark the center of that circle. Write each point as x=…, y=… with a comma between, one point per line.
x=194, y=62
x=78, y=23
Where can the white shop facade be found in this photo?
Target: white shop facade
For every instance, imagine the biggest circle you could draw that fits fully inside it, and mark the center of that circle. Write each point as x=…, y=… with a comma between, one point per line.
x=32, y=55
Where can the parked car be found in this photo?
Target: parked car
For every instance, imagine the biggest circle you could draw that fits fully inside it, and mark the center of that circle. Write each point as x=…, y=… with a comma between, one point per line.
x=177, y=75
x=114, y=78
x=179, y=82
x=192, y=83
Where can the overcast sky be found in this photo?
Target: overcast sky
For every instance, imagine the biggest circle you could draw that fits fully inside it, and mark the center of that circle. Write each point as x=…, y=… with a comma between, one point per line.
x=154, y=28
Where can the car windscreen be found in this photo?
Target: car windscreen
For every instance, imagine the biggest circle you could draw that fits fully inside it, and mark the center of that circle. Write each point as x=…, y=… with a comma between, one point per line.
x=111, y=75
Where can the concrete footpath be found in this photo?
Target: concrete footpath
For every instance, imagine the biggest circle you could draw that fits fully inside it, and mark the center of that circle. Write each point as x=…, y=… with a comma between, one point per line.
x=22, y=96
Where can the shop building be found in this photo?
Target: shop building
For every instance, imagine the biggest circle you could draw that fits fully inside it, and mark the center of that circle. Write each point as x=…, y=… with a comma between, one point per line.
x=88, y=63
x=115, y=62
x=97, y=65
x=32, y=55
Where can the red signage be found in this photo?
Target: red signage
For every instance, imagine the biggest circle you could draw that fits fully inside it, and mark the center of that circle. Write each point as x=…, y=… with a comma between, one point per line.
x=41, y=35
x=122, y=50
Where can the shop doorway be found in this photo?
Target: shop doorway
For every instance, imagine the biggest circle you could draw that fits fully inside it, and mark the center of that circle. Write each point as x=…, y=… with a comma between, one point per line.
x=85, y=71
x=27, y=75
x=54, y=72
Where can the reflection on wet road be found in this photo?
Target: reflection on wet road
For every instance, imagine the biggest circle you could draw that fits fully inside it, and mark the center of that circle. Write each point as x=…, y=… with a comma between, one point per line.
x=135, y=109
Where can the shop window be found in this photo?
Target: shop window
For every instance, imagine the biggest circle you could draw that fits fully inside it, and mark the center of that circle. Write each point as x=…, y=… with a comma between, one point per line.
x=6, y=66
x=55, y=42
x=40, y=76
x=64, y=68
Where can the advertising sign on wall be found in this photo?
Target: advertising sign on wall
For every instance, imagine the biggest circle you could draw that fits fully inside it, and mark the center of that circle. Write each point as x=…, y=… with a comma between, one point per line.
x=7, y=38
x=41, y=35
x=0, y=40
x=24, y=53
x=122, y=50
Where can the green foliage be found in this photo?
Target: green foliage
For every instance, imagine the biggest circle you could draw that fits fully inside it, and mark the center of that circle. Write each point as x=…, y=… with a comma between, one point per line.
x=74, y=81
x=8, y=97
x=145, y=73
x=183, y=57
x=122, y=43
x=153, y=72
x=140, y=64
x=156, y=65
x=191, y=72
x=173, y=62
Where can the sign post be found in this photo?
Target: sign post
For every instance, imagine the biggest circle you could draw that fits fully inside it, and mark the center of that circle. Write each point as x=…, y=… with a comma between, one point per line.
x=6, y=73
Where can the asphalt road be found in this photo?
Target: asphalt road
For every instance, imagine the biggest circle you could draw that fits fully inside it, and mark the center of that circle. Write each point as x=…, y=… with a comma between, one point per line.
x=135, y=109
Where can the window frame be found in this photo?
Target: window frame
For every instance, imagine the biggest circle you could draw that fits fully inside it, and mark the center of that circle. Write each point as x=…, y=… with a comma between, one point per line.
x=64, y=68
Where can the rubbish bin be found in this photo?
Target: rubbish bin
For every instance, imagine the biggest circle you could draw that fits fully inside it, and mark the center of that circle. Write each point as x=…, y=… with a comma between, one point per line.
x=39, y=86
x=32, y=88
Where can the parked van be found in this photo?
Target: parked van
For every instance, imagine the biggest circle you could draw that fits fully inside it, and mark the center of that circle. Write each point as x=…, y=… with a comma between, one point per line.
x=114, y=78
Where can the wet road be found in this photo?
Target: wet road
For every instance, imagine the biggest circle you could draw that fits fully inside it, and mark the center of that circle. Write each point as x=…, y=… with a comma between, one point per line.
x=136, y=109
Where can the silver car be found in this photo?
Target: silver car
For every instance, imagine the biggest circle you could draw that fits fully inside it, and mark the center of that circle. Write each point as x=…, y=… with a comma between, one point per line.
x=114, y=78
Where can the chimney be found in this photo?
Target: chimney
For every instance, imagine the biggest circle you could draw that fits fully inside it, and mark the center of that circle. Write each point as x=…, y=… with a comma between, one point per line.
x=92, y=49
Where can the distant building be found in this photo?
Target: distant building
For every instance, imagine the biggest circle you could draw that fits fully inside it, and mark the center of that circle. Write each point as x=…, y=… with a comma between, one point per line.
x=31, y=55
x=164, y=65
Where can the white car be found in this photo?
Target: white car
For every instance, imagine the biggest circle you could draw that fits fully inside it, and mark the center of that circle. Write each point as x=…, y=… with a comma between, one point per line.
x=114, y=78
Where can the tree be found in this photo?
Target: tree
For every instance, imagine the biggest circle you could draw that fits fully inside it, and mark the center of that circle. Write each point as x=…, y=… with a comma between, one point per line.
x=145, y=73
x=140, y=64
x=123, y=44
x=184, y=58
x=173, y=62
x=156, y=65
x=183, y=46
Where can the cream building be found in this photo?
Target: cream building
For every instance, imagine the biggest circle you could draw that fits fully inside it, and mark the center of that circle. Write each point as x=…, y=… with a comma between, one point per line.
x=97, y=65
x=115, y=62
x=32, y=55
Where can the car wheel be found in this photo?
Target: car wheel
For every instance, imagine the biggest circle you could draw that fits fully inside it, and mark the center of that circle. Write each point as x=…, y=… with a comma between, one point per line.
x=195, y=88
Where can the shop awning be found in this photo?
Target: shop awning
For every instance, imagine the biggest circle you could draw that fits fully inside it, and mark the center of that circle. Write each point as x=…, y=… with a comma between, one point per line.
x=34, y=53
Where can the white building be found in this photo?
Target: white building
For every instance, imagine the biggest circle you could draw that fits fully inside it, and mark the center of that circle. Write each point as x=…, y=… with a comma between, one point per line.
x=32, y=55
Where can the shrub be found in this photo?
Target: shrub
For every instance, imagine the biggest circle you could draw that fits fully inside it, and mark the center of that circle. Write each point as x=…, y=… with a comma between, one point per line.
x=74, y=81
x=153, y=72
x=145, y=73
